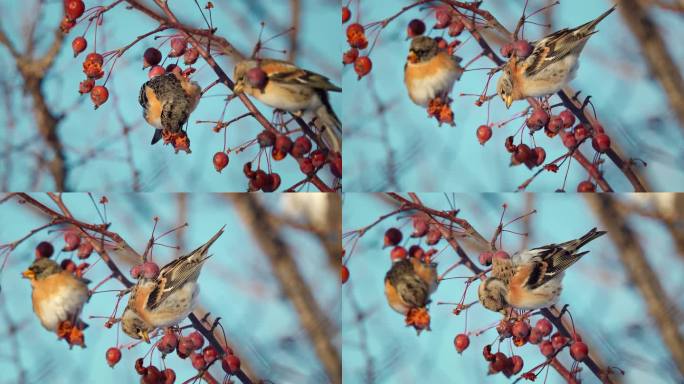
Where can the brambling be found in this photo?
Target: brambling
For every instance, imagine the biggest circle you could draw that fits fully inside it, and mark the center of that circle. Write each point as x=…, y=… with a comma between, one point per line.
x=57, y=295
x=295, y=90
x=169, y=298
x=552, y=64
x=409, y=284
x=429, y=71
x=167, y=101
x=531, y=279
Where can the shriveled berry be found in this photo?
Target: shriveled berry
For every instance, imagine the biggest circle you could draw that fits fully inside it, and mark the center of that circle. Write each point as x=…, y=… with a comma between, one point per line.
x=538, y=119
x=539, y=155
x=546, y=348
x=178, y=46
x=344, y=274
x=150, y=270
x=455, y=28
x=521, y=329
x=443, y=17
x=99, y=95
x=393, y=236
x=363, y=66
x=140, y=366
x=230, y=363
x=398, y=253
x=190, y=56
x=73, y=9
x=151, y=57
x=257, y=78
x=579, y=350
x=517, y=364
x=420, y=226
x=506, y=50
x=586, y=186
x=346, y=14
x=433, y=236
x=197, y=339
x=266, y=138
x=568, y=118
x=601, y=142
x=66, y=24
x=71, y=241
x=84, y=250
x=350, y=56
x=508, y=143
x=544, y=327
x=416, y=27
x=461, y=342
x=79, y=45
x=95, y=57
x=484, y=133
x=354, y=29
x=113, y=356
x=169, y=376
x=44, y=249
x=487, y=353
x=86, y=86
x=485, y=258
x=522, y=153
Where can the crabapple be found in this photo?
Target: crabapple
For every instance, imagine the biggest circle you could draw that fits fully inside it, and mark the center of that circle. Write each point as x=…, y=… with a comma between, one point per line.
x=393, y=236
x=44, y=249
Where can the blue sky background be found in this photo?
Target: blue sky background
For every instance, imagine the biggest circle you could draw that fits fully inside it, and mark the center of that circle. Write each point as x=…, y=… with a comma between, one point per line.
x=85, y=130
x=237, y=284
x=432, y=158
x=610, y=314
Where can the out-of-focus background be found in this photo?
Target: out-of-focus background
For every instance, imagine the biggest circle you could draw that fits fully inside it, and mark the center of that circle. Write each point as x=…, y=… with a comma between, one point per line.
x=239, y=283
x=607, y=303
x=391, y=144
x=97, y=153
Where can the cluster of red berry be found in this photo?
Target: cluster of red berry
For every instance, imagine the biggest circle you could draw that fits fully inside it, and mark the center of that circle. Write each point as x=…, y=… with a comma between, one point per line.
x=356, y=37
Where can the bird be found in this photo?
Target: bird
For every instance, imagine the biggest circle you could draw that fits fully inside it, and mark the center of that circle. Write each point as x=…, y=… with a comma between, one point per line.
x=552, y=64
x=167, y=101
x=167, y=299
x=531, y=279
x=290, y=88
x=409, y=284
x=429, y=71
x=57, y=295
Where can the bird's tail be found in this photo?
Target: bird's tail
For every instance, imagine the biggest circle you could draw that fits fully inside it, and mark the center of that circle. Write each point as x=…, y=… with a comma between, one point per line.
x=330, y=125
x=592, y=24
x=574, y=245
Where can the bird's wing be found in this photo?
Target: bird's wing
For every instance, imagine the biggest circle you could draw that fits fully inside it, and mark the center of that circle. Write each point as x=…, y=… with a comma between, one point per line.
x=289, y=73
x=173, y=276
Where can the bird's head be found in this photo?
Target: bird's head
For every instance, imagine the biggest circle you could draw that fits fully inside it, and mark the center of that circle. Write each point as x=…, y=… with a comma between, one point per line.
x=492, y=294
x=240, y=75
x=422, y=49
x=134, y=326
x=504, y=87
x=41, y=268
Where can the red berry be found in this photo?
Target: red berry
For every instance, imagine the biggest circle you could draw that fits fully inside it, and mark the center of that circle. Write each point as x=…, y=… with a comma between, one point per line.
x=487, y=353
x=579, y=351
x=601, y=142
x=168, y=343
x=420, y=226
x=283, y=143
x=522, y=153
x=538, y=119
x=510, y=147
x=99, y=95
x=336, y=164
x=79, y=45
x=197, y=339
x=580, y=132
x=535, y=336
x=230, y=363
x=84, y=250
x=484, y=133
x=86, y=86
x=301, y=146
x=190, y=56
x=178, y=46
x=257, y=78
x=485, y=258
x=136, y=271
x=68, y=265
x=499, y=363
x=461, y=342
x=346, y=14
x=272, y=182
x=152, y=375
x=266, y=138
x=197, y=361
x=416, y=252
x=522, y=48
x=569, y=140
x=558, y=340
x=568, y=118
x=586, y=186
x=318, y=157
x=74, y=9
x=155, y=71
x=44, y=249
x=443, y=17
x=501, y=255
x=544, y=327
x=350, y=56
x=150, y=270
x=94, y=57
x=506, y=50
x=363, y=66
x=517, y=363
x=416, y=27
x=306, y=166
x=354, y=30
x=220, y=161
x=139, y=367
x=344, y=274
x=151, y=57
x=185, y=347
x=210, y=354
x=521, y=329
x=398, y=253
x=72, y=241
x=455, y=28
x=433, y=236
x=66, y=24
x=169, y=376
x=546, y=348
x=393, y=236
x=555, y=124
x=113, y=356
x=260, y=178
x=539, y=155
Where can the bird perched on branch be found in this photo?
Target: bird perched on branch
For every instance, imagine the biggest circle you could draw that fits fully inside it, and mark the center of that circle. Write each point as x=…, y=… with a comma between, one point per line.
x=167, y=101
x=429, y=72
x=531, y=279
x=289, y=88
x=409, y=284
x=553, y=62
x=58, y=297
x=168, y=298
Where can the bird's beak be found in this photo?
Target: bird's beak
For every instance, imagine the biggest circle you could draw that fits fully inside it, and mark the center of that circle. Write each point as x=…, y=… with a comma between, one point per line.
x=145, y=336
x=412, y=57
x=508, y=100
x=239, y=87
x=28, y=274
